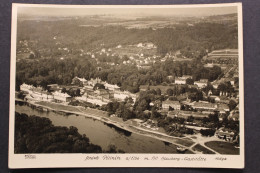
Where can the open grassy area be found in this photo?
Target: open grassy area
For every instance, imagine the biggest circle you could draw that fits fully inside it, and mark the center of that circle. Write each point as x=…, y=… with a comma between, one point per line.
x=202, y=149
x=59, y=106
x=223, y=147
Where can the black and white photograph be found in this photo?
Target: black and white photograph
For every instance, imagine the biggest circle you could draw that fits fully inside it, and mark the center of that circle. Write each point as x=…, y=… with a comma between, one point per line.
x=117, y=85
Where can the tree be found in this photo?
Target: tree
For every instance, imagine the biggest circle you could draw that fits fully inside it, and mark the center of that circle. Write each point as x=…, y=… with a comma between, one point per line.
x=77, y=92
x=189, y=81
x=63, y=90
x=169, y=92
x=158, y=91
x=232, y=104
x=98, y=86
x=207, y=132
x=190, y=118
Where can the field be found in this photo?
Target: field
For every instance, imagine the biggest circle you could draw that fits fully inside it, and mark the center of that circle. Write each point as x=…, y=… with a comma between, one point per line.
x=134, y=51
x=59, y=106
x=223, y=147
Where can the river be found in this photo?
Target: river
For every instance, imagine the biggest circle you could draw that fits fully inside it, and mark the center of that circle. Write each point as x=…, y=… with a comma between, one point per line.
x=103, y=134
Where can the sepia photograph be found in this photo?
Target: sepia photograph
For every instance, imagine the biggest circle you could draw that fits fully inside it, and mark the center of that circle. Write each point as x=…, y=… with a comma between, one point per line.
x=117, y=83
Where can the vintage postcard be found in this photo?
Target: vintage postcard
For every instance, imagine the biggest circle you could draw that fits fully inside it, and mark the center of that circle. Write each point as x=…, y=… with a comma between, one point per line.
x=126, y=86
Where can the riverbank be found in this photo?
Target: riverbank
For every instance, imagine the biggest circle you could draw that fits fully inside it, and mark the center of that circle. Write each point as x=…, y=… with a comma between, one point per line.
x=115, y=121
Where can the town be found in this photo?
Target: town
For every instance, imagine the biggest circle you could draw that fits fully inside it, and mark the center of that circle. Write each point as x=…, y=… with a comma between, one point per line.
x=186, y=89
x=193, y=113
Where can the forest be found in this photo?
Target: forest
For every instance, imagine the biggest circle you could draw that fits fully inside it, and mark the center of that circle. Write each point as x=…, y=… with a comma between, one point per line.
x=38, y=135
x=69, y=33
x=128, y=77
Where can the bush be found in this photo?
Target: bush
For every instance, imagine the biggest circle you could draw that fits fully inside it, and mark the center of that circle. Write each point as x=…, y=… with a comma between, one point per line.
x=207, y=132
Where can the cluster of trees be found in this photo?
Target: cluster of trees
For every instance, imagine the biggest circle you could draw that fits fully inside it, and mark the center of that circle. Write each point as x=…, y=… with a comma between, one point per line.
x=226, y=87
x=72, y=92
x=174, y=126
x=191, y=40
x=38, y=135
x=207, y=132
x=43, y=72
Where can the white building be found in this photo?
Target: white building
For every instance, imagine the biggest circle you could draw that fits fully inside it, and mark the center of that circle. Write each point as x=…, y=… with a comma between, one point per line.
x=98, y=98
x=40, y=95
x=180, y=80
x=82, y=80
x=111, y=87
x=173, y=104
x=92, y=82
x=202, y=83
x=122, y=95
x=61, y=97
x=26, y=88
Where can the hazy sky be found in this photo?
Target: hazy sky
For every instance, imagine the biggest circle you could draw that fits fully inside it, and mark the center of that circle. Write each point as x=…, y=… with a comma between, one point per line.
x=197, y=11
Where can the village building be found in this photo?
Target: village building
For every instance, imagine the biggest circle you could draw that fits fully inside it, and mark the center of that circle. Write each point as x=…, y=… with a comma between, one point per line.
x=78, y=81
x=223, y=108
x=201, y=83
x=216, y=98
x=225, y=134
x=204, y=106
x=92, y=82
x=186, y=77
x=53, y=87
x=61, y=97
x=122, y=95
x=180, y=81
x=140, y=45
x=231, y=80
x=26, y=88
x=185, y=114
x=99, y=97
x=111, y=87
x=40, y=95
x=167, y=104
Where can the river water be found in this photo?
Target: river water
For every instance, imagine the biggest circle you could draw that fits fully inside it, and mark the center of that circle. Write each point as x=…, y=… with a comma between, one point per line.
x=102, y=134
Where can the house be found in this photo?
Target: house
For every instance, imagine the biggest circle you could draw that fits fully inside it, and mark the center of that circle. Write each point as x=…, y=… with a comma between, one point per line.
x=167, y=104
x=216, y=98
x=122, y=95
x=201, y=83
x=53, y=87
x=204, y=106
x=186, y=77
x=26, y=88
x=40, y=95
x=223, y=107
x=224, y=133
x=78, y=81
x=111, y=87
x=92, y=82
x=103, y=93
x=185, y=114
x=61, y=97
x=182, y=80
x=179, y=80
x=231, y=80
x=140, y=45
x=149, y=45
x=98, y=97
